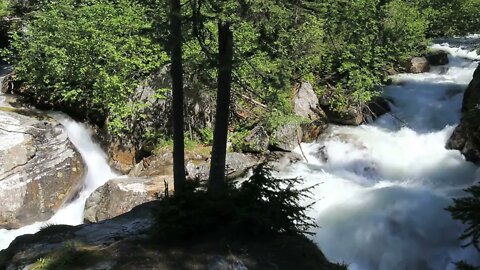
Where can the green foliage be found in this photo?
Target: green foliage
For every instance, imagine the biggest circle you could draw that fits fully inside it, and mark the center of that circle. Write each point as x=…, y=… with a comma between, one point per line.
x=91, y=54
x=448, y=18
x=5, y=8
x=237, y=139
x=465, y=266
x=66, y=258
x=262, y=206
x=206, y=135
x=467, y=210
x=405, y=26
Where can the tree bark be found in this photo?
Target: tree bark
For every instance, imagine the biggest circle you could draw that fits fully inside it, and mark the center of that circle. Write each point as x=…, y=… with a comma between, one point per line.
x=176, y=73
x=219, y=149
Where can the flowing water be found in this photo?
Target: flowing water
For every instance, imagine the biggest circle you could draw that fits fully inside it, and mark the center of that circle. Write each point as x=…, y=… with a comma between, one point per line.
x=384, y=186
x=97, y=173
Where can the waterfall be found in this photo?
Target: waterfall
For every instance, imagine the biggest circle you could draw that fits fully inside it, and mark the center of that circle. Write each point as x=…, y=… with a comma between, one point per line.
x=97, y=173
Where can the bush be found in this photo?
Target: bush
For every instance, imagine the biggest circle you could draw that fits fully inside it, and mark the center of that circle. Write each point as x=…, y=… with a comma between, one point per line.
x=4, y=8
x=467, y=210
x=262, y=206
x=91, y=54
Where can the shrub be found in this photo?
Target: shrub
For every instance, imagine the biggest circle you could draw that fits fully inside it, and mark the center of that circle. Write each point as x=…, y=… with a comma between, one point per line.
x=91, y=54
x=263, y=205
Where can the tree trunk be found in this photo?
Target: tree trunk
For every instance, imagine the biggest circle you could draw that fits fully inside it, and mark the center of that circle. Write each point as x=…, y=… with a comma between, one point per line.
x=176, y=72
x=219, y=149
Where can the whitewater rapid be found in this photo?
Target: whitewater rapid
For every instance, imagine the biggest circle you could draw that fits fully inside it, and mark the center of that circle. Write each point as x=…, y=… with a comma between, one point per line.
x=97, y=173
x=383, y=187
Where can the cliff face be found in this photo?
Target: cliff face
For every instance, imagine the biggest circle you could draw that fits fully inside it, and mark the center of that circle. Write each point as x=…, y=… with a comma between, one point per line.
x=466, y=136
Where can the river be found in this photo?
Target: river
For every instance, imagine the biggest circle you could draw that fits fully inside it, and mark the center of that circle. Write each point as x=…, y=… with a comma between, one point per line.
x=383, y=186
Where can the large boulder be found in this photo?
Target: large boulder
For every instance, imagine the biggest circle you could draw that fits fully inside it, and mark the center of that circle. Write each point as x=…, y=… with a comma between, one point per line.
x=305, y=102
x=437, y=58
x=418, y=65
x=286, y=137
x=126, y=242
x=237, y=165
x=121, y=195
x=256, y=141
x=352, y=116
x=466, y=136
x=307, y=105
x=39, y=167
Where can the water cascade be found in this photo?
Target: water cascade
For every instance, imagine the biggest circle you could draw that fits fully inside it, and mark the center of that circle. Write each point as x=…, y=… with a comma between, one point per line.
x=97, y=173
x=384, y=186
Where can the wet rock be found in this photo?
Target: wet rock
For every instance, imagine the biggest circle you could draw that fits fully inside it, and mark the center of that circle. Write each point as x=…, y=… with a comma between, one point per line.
x=6, y=81
x=40, y=169
x=377, y=107
x=437, y=58
x=418, y=65
x=281, y=160
x=352, y=116
x=312, y=130
x=121, y=195
x=466, y=139
x=466, y=136
x=224, y=263
x=257, y=141
x=237, y=165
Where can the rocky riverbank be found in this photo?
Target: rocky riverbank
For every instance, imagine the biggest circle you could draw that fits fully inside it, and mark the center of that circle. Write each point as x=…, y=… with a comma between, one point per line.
x=466, y=136
x=40, y=169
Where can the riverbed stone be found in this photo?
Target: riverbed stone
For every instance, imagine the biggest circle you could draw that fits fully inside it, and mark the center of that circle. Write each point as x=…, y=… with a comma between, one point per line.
x=286, y=137
x=121, y=195
x=40, y=168
x=418, y=65
x=466, y=136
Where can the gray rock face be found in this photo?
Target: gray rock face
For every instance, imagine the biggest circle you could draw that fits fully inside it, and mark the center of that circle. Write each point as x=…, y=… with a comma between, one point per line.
x=286, y=137
x=418, y=65
x=121, y=195
x=149, y=180
x=39, y=167
x=305, y=102
x=352, y=116
x=466, y=136
x=257, y=141
x=237, y=165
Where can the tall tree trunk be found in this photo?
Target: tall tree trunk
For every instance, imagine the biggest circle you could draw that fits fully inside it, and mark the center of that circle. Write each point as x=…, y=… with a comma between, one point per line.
x=176, y=72
x=219, y=149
